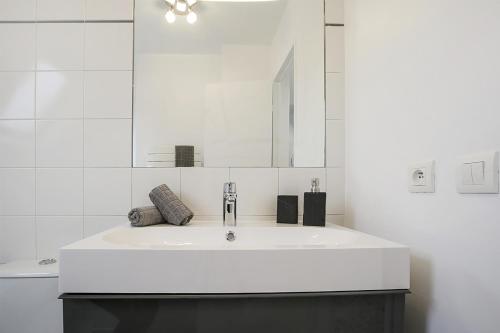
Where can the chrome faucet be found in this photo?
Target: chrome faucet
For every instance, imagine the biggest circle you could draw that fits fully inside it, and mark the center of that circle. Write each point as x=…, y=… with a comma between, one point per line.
x=229, y=204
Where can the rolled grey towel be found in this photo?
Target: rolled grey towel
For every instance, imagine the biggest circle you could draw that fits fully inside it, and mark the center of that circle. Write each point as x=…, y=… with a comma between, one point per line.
x=169, y=205
x=144, y=216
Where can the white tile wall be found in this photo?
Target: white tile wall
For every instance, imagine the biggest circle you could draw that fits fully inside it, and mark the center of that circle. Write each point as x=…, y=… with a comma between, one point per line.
x=334, y=11
x=108, y=94
x=335, y=187
x=42, y=120
x=59, y=143
x=335, y=96
x=17, y=10
x=65, y=170
x=46, y=92
x=17, y=238
x=107, y=191
x=60, y=46
x=335, y=143
x=108, y=142
x=18, y=47
x=54, y=232
x=335, y=108
x=335, y=58
x=337, y=219
x=145, y=179
x=17, y=143
x=257, y=190
x=59, y=192
x=17, y=91
x=61, y=9
x=59, y=95
x=109, y=46
x=17, y=192
x=95, y=224
x=110, y=9
x=201, y=189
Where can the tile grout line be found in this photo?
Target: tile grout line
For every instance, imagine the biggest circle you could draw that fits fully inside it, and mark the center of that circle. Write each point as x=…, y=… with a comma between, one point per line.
x=83, y=116
x=36, y=134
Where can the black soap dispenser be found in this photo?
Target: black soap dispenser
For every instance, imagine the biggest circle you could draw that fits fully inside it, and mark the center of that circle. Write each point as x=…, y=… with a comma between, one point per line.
x=314, y=205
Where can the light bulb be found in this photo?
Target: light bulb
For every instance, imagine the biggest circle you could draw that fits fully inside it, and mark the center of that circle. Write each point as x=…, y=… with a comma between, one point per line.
x=192, y=17
x=181, y=6
x=170, y=16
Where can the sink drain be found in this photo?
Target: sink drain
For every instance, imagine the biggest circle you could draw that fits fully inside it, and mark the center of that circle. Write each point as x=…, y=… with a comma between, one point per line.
x=231, y=236
x=45, y=262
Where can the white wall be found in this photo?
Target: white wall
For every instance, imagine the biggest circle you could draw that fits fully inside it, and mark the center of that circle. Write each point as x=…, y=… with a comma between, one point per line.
x=422, y=83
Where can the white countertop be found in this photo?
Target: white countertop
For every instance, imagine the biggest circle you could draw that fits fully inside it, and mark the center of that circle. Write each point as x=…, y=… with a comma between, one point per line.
x=265, y=258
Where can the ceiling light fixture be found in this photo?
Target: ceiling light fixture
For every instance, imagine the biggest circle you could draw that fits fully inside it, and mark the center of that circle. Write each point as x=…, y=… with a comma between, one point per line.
x=181, y=8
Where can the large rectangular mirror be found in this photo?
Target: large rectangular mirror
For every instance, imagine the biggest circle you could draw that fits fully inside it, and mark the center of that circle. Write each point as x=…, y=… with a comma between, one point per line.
x=229, y=83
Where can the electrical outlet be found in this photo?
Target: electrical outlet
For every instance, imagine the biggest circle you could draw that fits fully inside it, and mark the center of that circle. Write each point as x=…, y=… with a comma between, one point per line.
x=421, y=178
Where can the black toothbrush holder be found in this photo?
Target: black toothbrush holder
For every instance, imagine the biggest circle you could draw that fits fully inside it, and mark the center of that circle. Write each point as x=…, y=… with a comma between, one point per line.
x=288, y=209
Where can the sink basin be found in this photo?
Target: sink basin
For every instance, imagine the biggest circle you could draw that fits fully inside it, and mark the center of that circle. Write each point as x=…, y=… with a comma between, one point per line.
x=264, y=258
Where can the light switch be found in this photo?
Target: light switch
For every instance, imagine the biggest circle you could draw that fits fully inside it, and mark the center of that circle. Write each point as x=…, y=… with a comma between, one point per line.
x=467, y=174
x=478, y=173
x=477, y=169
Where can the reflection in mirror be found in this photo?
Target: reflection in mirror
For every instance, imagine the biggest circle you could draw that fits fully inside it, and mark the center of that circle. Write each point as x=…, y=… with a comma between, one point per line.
x=240, y=86
x=283, y=115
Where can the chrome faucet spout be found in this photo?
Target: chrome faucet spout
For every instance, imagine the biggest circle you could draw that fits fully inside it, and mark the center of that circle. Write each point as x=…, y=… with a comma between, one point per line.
x=229, y=201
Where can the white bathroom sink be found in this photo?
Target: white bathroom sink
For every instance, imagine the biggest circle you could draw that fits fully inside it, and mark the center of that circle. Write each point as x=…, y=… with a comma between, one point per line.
x=264, y=258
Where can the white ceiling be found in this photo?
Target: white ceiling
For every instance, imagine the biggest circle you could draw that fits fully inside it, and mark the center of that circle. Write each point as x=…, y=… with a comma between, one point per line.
x=218, y=23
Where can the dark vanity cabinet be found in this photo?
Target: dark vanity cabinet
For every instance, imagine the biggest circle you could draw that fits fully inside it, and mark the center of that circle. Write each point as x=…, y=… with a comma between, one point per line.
x=335, y=312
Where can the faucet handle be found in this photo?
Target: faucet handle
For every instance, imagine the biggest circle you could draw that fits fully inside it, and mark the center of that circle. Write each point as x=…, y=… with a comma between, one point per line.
x=230, y=187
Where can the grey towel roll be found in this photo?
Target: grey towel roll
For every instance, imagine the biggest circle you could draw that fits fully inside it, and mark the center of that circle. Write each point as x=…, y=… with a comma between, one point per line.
x=144, y=216
x=169, y=205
